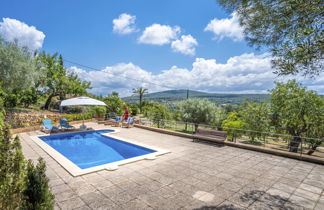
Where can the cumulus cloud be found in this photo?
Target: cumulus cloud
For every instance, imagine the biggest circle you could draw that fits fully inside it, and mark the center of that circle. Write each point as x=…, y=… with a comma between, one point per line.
x=124, y=24
x=247, y=73
x=12, y=29
x=157, y=34
x=186, y=45
x=227, y=27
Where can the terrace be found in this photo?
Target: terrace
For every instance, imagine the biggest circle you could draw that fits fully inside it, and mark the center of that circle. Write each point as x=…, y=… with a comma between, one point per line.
x=193, y=176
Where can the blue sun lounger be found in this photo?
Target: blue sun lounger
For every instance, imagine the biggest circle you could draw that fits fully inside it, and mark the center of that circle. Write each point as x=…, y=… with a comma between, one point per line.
x=117, y=121
x=47, y=125
x=129, y=123
x=65, y=124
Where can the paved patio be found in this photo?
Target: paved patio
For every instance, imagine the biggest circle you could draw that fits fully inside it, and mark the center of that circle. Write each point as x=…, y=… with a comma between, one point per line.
x=192, y=176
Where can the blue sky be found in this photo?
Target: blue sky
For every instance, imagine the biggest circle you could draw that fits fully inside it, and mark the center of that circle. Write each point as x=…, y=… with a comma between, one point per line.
x=184, y=49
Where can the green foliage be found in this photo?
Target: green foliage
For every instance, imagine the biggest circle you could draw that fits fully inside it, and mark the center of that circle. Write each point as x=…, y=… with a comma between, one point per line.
x=11, y=170
x=198, y=111
x=140, y=91
x=158, y=113
x=114, y=93
x=256, y=119
x=37, y=193
x=316, y=132
x=233, y=125
x=99, y=111
x=292, y=29
x=11, y=167
x=219, y=116
x=17, y=68
x=28, y=97
x=79, y=116
x=297, y=111
x=18, y=190
x=115, y=104
x=57, y=81
x=11, y=99
x=134, y=109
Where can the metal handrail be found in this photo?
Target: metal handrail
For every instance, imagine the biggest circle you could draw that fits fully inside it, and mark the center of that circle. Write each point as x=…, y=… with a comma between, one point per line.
x=266, y=136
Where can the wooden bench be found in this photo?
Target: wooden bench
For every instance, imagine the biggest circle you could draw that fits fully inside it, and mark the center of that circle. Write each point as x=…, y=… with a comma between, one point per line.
x=210, y=135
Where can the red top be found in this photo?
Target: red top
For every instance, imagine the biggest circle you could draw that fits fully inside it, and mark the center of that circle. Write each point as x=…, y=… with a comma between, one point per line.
x=126, y=115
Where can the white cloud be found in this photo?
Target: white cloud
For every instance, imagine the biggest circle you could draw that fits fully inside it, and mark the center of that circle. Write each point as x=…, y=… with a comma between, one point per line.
x=247, y=73
x=186, y=45
x=157, y=34
x=11, y=29
x=227, y=27
x=124, y=24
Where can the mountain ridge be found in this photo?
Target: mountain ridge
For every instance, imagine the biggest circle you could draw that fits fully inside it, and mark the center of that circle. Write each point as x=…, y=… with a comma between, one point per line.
x=218, y=98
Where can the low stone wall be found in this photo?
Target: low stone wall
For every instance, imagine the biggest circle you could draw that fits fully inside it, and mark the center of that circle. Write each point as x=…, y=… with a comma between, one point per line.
x=39, y=127
x=29, y=119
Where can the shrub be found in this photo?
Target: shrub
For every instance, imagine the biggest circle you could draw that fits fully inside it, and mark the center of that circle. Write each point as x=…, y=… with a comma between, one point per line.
x=37, y=193
x=73, y=117
x=134, y=109
x=99, y=111
x=17, y=188
x=233, y=125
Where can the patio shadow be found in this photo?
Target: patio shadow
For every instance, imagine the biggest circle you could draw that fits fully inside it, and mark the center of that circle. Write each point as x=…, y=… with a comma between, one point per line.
x=258, y=200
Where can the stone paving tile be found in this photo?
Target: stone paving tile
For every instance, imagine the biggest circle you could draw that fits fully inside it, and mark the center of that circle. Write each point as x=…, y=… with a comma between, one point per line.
x=83, y=208
x=242, y=200
x=167, y=192
x=300, y=201
x=306, y=194
x=60, y=188
x=111, y=191
x=284, y=187
x=84, y=189
x=122, y=198
x=136, y=204
x=320, y=204
x=192, y=176
x=315, y=183
x=229, y=205
x=66, y=195
x=72, y=203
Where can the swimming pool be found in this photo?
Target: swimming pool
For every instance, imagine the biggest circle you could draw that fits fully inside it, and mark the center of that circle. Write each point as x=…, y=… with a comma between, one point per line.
x=89, y=151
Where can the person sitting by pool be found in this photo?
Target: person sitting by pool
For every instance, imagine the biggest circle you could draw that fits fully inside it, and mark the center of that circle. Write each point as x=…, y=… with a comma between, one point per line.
x=125, y=115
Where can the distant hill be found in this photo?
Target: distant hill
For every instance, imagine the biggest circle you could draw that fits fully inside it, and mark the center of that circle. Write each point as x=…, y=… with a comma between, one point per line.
x=218, y=98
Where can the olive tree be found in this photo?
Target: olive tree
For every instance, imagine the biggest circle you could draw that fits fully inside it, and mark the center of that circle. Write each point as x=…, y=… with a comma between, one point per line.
x=292, y=30
x=297, y=111
x=19, y=75
x=197, y=111
x=17, y=67
x=256, y=118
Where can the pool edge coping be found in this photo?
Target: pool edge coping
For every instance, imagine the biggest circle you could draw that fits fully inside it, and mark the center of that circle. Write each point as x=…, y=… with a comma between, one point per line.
x=74, y=170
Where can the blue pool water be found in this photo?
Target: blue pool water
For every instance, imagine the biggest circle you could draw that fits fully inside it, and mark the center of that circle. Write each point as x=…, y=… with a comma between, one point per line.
x=90, y=148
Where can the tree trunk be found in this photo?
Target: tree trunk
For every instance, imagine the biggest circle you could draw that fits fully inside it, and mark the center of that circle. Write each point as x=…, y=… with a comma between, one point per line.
x=313, y=148
x=294, y=144
x=48, y=101
x=196, y=127
x=140, y=103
